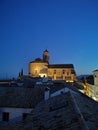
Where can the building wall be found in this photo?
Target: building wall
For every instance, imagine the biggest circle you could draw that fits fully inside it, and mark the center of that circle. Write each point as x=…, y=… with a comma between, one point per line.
x=95, y=77
x=95, y=74
x=15, y=114
x=61, y=74
x=41, y=69
x=90, y=90
x=38, y=69
x=96, y=91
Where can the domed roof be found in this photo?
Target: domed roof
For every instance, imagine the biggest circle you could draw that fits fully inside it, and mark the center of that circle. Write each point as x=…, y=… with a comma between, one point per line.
x=38, y=59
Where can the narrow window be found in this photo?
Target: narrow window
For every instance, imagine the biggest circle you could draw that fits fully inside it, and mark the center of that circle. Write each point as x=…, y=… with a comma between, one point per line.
x=67, y=73
x=24, y=116
x=5, y=116
x=63, y=71
x=54, y=71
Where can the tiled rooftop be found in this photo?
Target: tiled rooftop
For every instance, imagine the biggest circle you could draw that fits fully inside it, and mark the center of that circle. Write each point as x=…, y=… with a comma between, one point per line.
x=67, y=111
x=57, y=113
x=21, y=97
x=89, y=110
x=61, y=66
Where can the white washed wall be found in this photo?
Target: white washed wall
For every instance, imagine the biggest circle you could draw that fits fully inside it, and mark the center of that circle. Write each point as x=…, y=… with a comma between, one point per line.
x=96, y=78
x=62, y=90
x=14, y=113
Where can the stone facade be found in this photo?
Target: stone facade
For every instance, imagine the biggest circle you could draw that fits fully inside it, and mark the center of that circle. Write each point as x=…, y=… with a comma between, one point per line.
x=37, y=69
x=42, y=68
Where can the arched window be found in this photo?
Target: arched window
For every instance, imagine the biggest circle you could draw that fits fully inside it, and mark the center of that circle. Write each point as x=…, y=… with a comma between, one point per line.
x=63, y=71
x=54, y=71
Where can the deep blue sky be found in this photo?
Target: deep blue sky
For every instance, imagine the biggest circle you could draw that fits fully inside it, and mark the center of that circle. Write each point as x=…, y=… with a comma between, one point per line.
x=67, y=28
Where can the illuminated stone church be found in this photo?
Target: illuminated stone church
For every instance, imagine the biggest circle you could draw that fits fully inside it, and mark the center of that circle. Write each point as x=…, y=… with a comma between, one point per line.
x=42, y=68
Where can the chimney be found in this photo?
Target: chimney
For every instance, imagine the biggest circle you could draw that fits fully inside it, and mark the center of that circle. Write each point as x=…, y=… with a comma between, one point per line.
x=47, y=93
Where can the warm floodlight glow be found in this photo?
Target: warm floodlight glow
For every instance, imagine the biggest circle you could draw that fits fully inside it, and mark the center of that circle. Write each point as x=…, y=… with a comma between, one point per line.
x=42, y=75
x=71, y=81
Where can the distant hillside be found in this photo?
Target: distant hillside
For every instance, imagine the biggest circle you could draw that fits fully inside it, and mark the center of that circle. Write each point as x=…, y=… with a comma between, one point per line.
x=82, y=76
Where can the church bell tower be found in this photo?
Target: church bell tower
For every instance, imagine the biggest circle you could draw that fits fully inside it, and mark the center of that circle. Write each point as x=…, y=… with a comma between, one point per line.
x=46, y=56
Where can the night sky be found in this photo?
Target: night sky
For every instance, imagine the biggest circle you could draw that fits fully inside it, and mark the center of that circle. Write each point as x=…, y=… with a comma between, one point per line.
x=68, y=29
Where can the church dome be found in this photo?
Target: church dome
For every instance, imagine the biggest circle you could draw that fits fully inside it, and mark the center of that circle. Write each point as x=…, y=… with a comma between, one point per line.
x=38, y=59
